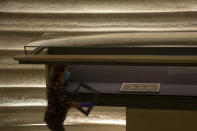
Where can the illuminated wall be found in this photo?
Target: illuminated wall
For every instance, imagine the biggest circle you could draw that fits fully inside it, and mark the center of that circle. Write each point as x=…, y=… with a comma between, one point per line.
x=22, y=21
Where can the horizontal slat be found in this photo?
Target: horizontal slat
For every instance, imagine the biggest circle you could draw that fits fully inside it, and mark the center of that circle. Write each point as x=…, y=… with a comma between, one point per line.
x=107, y=58
x=111, y=22
x=97, y=5
x=22, y=77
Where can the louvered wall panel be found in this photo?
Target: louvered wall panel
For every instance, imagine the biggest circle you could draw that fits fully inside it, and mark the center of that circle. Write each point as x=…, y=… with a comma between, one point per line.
x=22, y=21
x=99, y=22
x=95, y=6
x=13, y=74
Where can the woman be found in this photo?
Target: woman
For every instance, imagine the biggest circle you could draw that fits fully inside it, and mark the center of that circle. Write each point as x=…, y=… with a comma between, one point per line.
x=58, y=99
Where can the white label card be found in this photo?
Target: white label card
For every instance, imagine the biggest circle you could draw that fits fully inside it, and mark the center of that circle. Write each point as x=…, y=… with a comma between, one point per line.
x=140, y=87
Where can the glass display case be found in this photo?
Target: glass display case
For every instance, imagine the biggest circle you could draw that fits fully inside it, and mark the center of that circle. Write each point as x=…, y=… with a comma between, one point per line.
x=106, y=61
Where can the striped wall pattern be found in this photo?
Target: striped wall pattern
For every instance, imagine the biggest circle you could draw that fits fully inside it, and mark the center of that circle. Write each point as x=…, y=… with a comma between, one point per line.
x=22, y=21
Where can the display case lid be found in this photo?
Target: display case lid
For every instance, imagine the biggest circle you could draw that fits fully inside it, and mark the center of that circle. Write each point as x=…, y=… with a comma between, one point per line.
x=115, y=39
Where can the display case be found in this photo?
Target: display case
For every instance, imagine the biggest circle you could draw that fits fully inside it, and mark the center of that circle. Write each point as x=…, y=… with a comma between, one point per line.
x=107, y=61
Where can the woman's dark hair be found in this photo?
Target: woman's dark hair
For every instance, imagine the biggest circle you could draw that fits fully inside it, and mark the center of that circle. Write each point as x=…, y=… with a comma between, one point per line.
x=56, y=71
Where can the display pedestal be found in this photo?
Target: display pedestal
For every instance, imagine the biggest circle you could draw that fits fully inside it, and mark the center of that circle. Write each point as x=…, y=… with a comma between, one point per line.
x=160, y=120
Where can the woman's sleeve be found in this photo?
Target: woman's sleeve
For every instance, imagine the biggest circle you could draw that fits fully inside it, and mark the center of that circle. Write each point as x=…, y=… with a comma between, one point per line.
x=64, y=98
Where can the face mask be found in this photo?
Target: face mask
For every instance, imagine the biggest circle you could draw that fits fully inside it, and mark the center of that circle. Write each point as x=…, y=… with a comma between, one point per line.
x=67, y=76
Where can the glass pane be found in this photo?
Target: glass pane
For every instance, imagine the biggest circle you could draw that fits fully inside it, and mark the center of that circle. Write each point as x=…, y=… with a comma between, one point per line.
x=172, y=39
